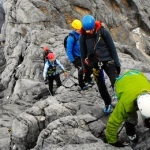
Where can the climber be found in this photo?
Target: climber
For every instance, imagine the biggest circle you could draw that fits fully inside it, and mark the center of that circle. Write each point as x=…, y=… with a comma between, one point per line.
x=51, y=73
x=74, y=56
x=133, y=93
x=99, y=53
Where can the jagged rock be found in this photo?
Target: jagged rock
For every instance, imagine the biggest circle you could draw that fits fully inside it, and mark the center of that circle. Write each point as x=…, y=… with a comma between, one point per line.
x=61, y=131
x=2, y=15
x=30, y=25
x=2, y=61
x=5, y=138
x=143, y=142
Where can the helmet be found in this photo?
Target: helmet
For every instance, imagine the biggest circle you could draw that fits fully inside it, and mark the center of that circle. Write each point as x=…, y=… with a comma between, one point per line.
x=88, y=22
x=76, y=24
x=143, y=102
x=51, y=56
x=45, y=48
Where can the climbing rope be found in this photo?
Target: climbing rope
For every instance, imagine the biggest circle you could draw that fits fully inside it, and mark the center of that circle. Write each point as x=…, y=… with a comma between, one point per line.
x=10, y=131
x=79, y=127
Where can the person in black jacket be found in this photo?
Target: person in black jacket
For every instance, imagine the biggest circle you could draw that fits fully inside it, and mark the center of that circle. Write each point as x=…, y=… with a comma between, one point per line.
x=99, y=53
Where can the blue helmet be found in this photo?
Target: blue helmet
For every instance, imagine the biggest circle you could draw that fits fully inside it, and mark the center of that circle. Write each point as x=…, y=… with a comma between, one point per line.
x=88, y=22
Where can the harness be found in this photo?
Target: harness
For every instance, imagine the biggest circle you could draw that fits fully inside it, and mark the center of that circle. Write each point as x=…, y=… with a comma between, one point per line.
x=93, y=56
x=52, y=68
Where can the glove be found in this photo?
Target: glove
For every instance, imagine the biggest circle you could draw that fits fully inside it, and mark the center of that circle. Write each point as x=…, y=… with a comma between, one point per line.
x=118, y=69
x=118, y=144
x=76, y=64
x=147, y=123
x=86, y=61
x=65, y=74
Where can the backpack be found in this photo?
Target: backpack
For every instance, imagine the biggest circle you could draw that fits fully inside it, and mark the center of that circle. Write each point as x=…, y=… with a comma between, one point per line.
x=65, y=40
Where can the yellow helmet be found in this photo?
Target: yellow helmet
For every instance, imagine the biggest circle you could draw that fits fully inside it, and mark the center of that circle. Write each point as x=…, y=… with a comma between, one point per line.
x=76, y=24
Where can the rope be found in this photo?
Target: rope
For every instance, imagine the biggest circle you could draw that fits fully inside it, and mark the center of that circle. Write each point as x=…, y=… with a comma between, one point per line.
x=10, y=131
x=69, y=142
x=82, y=126
x=96, y=74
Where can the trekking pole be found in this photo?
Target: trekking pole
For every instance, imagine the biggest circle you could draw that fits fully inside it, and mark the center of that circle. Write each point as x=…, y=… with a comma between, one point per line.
x=125, y=143
x=121, y=129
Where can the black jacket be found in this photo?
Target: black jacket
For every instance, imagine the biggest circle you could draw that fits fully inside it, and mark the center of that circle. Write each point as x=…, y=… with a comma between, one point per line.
x=104, y=48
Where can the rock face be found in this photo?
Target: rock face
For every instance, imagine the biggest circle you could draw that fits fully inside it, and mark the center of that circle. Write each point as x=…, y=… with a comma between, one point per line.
x=72, y=119
x=2, y=15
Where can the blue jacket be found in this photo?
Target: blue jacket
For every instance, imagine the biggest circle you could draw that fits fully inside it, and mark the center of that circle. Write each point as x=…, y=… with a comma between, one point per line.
x=71, y=48
x=54, y=65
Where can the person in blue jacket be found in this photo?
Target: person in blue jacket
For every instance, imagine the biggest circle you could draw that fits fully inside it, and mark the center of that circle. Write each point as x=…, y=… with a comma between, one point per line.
x=74, y=56
x=50, y=72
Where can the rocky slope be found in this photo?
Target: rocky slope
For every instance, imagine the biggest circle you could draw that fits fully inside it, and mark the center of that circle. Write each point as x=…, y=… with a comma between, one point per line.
x=72, y=119
x=2, y=15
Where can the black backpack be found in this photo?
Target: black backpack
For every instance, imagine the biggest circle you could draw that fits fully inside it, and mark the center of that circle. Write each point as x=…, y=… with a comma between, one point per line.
x=45, y=55
x=65, y=40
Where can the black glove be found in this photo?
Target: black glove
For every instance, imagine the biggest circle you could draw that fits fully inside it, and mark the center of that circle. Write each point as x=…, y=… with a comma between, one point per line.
x=147, y=123
x=77, y=62
x=118, y=144
x=118, y=69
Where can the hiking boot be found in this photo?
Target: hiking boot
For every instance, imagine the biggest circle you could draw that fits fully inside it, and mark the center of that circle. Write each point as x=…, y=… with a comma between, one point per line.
x=108, y=109
x=91, y=83
x=85, y=87
x=133, y=138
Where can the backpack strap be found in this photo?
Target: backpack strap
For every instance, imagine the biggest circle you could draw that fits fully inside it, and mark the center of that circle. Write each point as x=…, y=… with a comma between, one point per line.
x=55, y=63
x=74, y=38
x=98, y=37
